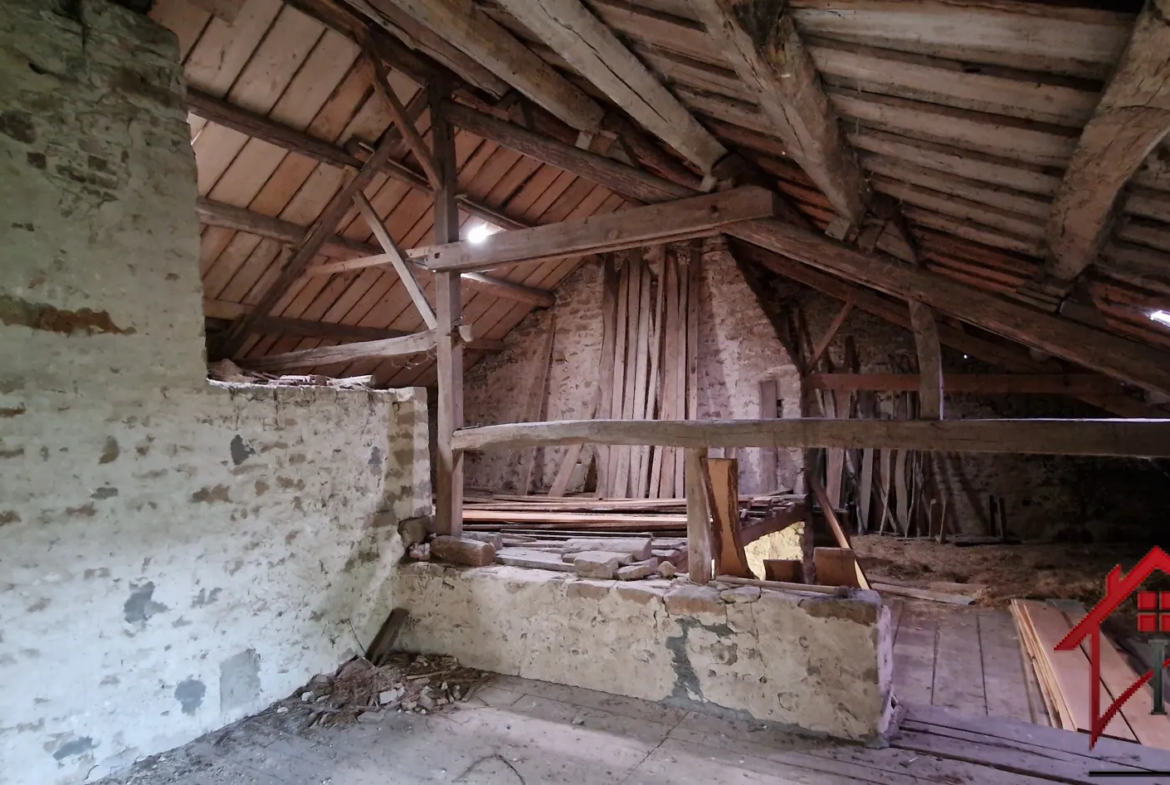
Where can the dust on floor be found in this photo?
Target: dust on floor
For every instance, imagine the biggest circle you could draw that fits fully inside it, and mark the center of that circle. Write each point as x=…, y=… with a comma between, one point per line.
x=1071, y=571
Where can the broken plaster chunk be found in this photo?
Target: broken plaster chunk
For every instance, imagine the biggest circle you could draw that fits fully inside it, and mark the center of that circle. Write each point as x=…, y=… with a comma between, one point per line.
x=691, y=600
x=741, y=594
x=622, y=557
x=667, y=569
x=638, y=570
x=599, y=565
x=637, y=548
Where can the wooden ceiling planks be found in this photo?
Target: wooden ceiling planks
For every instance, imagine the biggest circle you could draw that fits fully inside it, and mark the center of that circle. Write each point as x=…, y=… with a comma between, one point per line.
x=966, y=113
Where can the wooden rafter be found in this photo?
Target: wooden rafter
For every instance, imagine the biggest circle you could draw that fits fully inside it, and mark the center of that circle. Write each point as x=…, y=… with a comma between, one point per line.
x=665, y=222
x=397, y=259
x=1027, y=437
x=1008, y=356
x=484, y=40
x=1131, y=118
x=401, y=118
x=212, y=213
x=239, y=119
x=313, y=240
x=1118, y=357
x=592, y=49
x=400, y=346
x=760, y=40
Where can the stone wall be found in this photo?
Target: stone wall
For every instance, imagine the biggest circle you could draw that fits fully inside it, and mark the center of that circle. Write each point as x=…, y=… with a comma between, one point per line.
x=815, y=663
x=173, y=554
x=738, y=348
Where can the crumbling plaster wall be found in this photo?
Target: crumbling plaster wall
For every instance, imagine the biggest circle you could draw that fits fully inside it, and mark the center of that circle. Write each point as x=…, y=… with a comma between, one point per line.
x=815, y=663
x=738, y=348
x=173, y=554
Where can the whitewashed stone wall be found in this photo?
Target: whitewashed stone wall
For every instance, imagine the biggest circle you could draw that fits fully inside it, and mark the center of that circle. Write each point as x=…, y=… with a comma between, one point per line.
x=173, y=554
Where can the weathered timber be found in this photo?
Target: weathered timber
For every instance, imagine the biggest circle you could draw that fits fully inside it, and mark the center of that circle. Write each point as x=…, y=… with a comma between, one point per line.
x=697, y=216
x=1132, y=116
x=1009, y=356
x=592, y=49
x=618, y=177
x=761, y=42
x=1149, y=438
x=1118, y=357
x=403, y=121
x=492, y=46
x=345, y=250
x=414, y=343
x=397, y=259
x=982, y=383
x=930, y=373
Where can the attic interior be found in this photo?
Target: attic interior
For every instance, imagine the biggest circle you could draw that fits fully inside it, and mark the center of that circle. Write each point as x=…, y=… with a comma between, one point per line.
x=591, y=391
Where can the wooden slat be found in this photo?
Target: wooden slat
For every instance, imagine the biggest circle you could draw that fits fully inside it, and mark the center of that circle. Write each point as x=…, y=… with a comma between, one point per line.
x=397, y=259
x=537, y=395
x=1150, y=438
x=831, y=518
x=685, y=218
x=830, y=333
x=403, y=122
x=769, y=398
x=492, y=46
x=958, y=670
x=722, y=475
x=1132, y=116
x=930, y=389
x=914, y=657
x=308, y=358
x=980, y=383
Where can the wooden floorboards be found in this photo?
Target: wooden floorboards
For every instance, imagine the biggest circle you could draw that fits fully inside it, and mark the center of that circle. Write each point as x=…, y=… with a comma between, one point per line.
x=965, y=659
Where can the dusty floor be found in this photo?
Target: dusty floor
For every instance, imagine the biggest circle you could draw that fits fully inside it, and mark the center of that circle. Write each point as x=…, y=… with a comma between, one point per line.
x=517, y=732
x=1070, y=571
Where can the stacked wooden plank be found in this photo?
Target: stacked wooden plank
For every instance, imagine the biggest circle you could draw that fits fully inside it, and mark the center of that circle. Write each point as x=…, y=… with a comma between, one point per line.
x=1065, y=678
x=537, y=515
x=649, y=364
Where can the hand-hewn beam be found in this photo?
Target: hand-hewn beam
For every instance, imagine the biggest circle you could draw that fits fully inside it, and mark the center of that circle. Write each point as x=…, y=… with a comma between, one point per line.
x=402, y=120
x=1011, y=357
x=618, y=177
x=1114, y=356
x=343, y=248
x=402, y=346
x=930, y=372
x=479, y=36
x=1131, y=118
x=759, y=38
x=590, y=47
x=449, y=351
x=260, y=127
x=655, y=224
x=1147, y=438
x=300, y=259
x=830, y=333
x=977, y=383
x=397, y=259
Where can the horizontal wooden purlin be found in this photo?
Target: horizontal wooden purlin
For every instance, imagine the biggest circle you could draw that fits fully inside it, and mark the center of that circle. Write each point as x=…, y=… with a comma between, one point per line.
x=1144, y=438
x=413, y=343
x=618, y=177
x=303, y=328
x=1013, y=357
x=214, y=213
x=1114, y=356
x=983, y=383
x=697, y=216
x=230, y=116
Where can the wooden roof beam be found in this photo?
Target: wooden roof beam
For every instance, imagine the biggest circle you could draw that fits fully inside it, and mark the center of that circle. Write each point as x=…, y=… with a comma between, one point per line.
x=1148, y=438
x=344, y=249
x=485, y=41
x=1131, y=118
x=760, y=40
x=977, y=383
x=589, y=46
x=402, y=346
x=698, y=216
x=1114, y=356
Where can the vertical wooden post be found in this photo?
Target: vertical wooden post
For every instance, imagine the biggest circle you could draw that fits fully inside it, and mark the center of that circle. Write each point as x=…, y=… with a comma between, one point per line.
x=449, y=313
x=698, y=519
x=930, y=389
